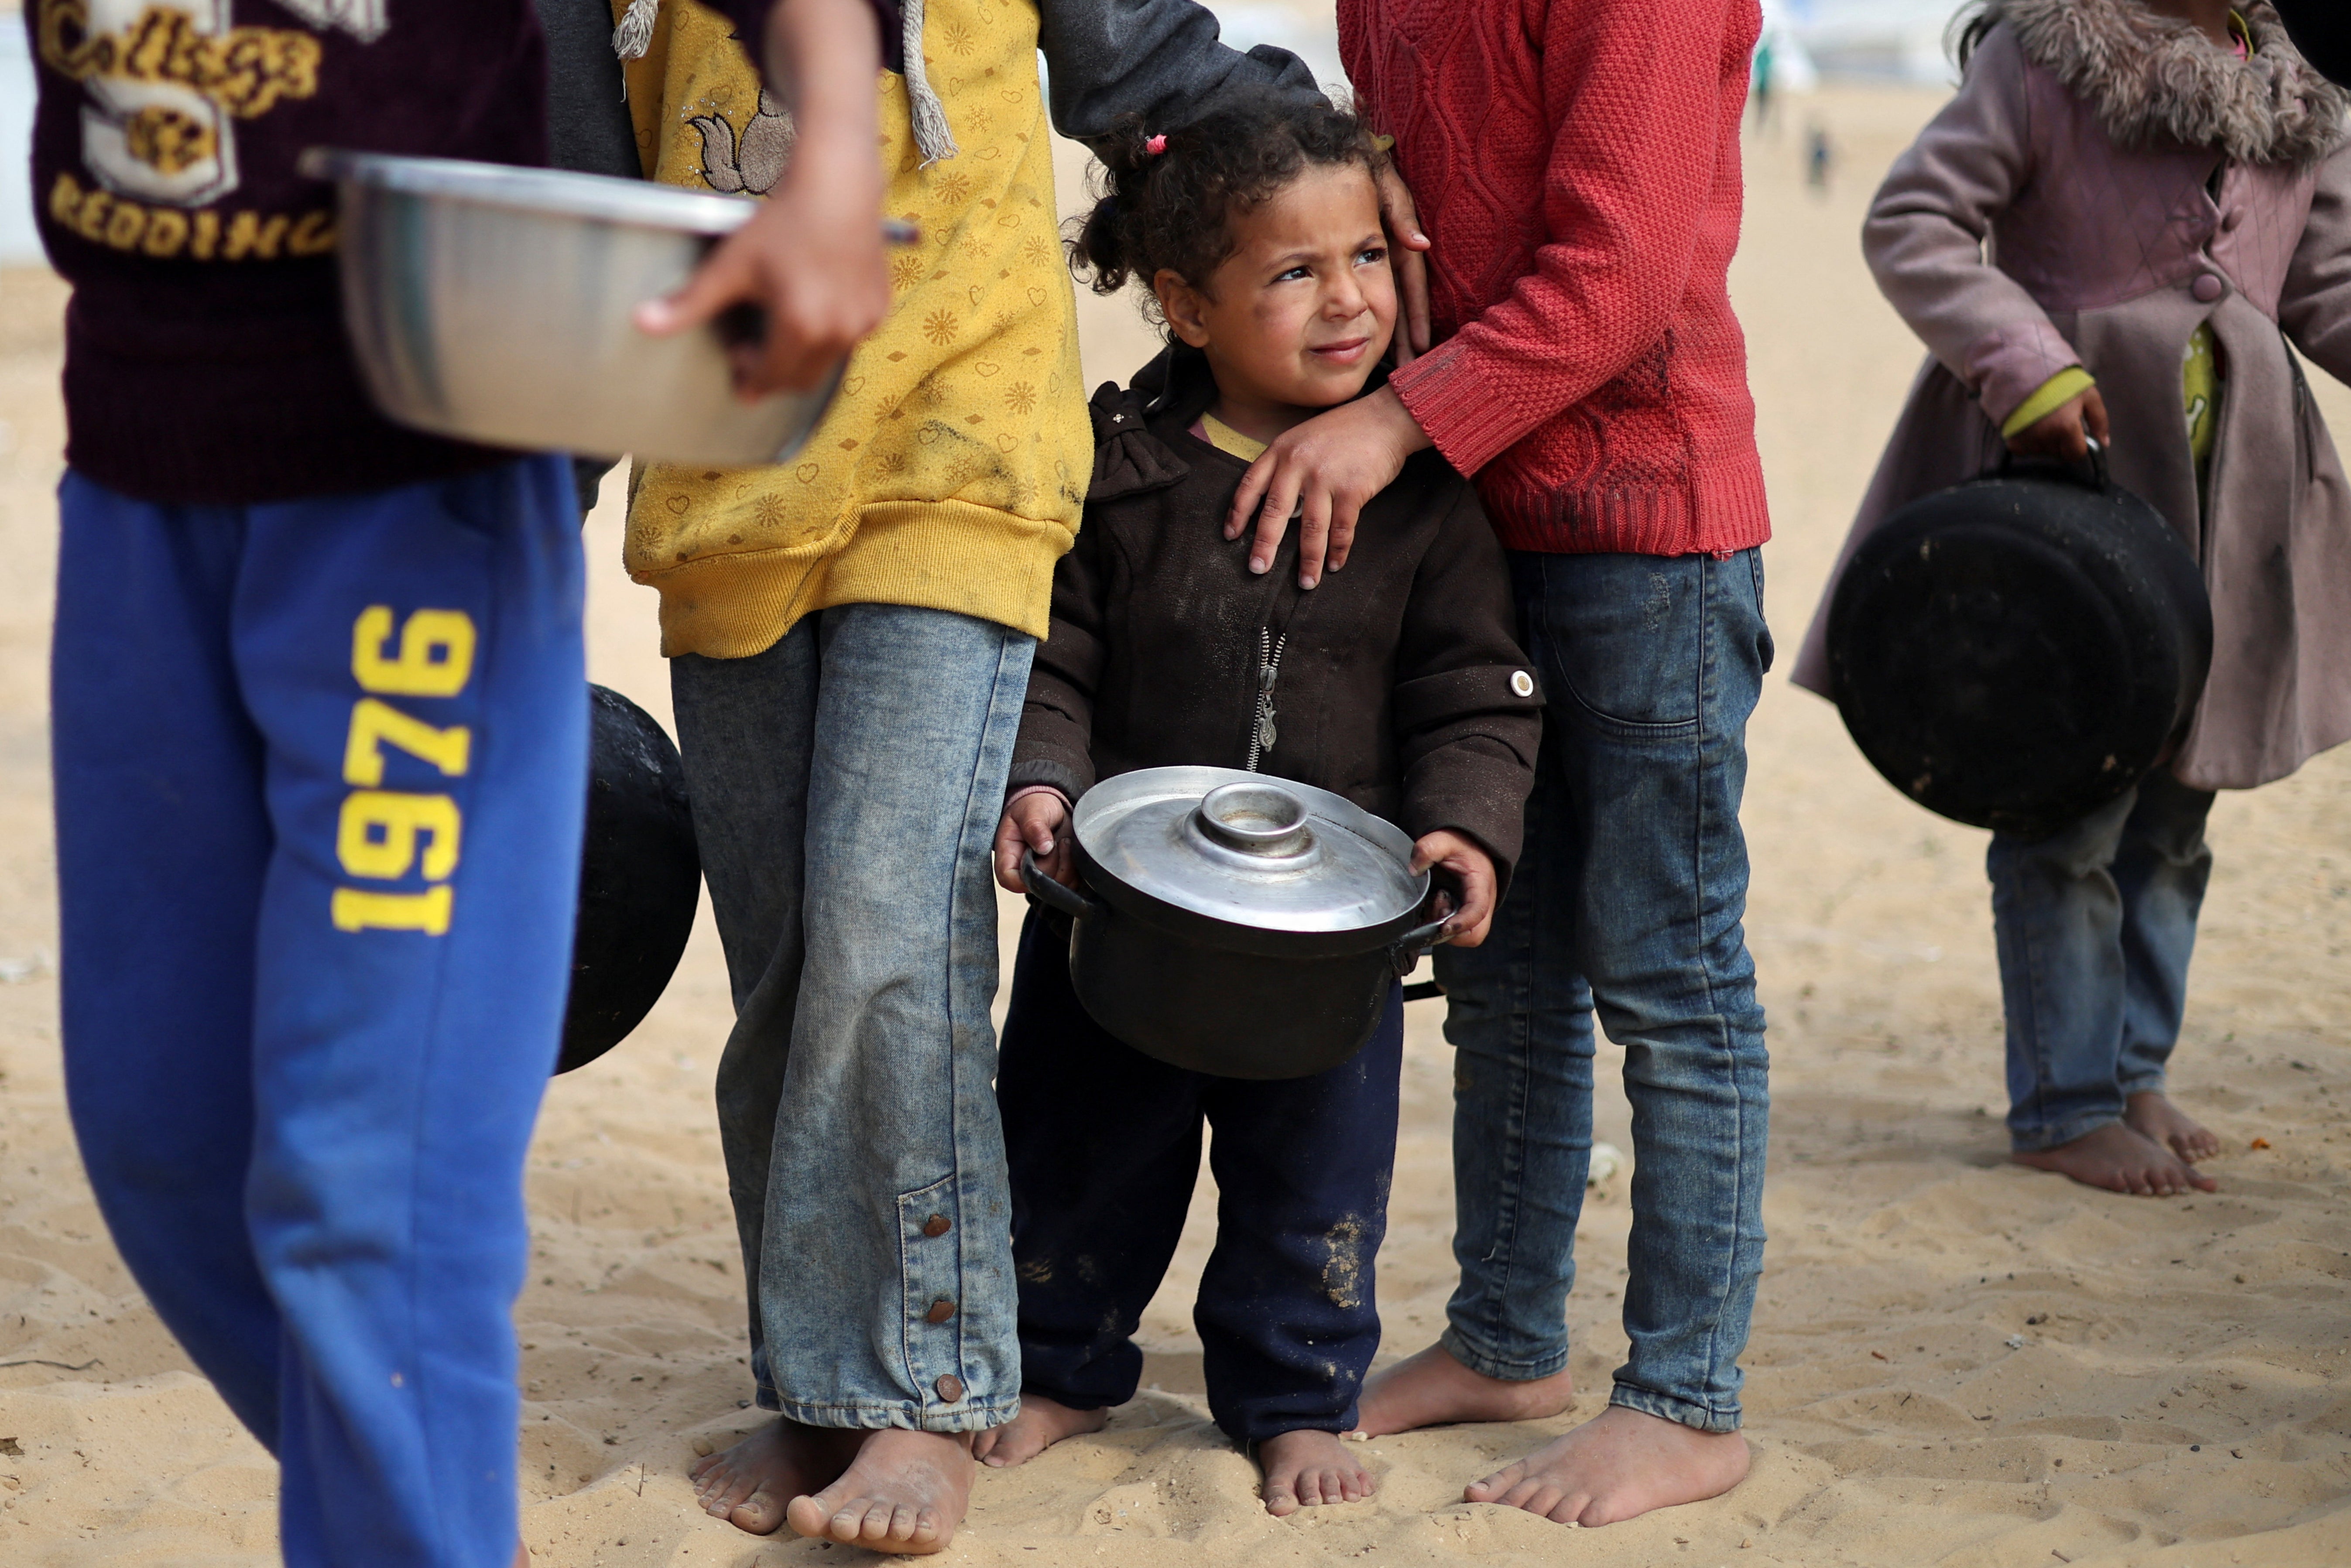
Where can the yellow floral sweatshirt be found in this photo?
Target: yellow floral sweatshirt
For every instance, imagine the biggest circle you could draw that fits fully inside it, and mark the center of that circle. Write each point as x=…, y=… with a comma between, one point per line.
x=951, y=471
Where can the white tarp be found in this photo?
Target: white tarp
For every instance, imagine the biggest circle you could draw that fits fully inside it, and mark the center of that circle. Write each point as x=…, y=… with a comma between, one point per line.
x=18, y=243
x=1781, y=50
x=1900, y=40
x=1309, y=32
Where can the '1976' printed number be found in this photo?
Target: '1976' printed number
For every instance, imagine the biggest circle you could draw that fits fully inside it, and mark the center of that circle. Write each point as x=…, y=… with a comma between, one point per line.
x=383, y=835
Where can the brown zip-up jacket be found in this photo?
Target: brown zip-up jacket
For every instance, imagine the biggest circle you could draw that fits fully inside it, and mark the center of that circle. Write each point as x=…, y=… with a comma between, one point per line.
x=1398, y=682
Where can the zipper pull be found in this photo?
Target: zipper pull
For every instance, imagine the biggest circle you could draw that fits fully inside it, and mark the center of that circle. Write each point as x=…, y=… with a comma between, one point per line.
x=1268, y=670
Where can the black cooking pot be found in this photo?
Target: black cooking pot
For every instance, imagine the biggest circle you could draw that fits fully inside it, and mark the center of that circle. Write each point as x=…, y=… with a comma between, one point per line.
x=2321, y=31
x=640, y=879
x=2017, y=651
x=1241, y=925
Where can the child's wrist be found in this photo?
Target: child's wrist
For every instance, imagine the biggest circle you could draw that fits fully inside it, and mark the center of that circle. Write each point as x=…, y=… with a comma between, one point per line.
x=1409, y=434
x=834, y=170
x=1025, y=790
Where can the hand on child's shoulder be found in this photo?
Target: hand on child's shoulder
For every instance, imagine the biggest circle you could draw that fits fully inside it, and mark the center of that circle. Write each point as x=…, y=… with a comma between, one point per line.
x=1324, y=472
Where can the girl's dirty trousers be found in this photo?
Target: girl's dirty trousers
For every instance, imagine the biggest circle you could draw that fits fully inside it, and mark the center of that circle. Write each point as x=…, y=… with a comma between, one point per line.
x=1104, y=1145
x=319, y=769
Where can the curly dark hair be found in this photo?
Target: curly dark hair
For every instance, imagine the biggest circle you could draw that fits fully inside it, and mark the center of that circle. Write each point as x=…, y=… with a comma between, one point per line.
x=1174, y=209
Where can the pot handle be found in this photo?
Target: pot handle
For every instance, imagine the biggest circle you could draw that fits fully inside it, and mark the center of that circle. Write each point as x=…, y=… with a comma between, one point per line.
x=745, y=325
x=1052, y=894
x=2100, y=475
x=1415, y=944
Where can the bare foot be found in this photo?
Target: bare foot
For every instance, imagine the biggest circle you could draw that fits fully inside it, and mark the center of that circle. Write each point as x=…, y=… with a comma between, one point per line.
x=1040, y=1424
x=2120, y=1160
x=904, y=1491
x=750, y=1484
x=1305, y=1468
x=1432, y=1389
x=2151, y=1115
x=1619, y=1465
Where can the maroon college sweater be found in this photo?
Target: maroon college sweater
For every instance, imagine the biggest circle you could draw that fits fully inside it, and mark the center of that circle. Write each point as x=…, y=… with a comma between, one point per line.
x=206, y=360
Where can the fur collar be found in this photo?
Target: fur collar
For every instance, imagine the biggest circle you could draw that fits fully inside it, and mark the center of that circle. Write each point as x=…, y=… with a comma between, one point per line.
x=2153, y=79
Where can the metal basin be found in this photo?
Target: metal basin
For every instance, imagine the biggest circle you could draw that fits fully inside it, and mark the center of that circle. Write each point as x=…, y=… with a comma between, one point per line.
x=495, y=304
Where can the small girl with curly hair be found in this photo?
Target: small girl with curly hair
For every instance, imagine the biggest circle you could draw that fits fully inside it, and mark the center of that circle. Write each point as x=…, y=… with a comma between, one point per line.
x=1398, y=684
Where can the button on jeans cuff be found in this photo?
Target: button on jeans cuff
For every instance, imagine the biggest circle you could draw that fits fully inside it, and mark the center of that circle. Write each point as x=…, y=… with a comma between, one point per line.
x=1680, y=1412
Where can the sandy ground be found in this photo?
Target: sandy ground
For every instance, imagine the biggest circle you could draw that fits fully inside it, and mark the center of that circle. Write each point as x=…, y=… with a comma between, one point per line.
x=1954, y=1362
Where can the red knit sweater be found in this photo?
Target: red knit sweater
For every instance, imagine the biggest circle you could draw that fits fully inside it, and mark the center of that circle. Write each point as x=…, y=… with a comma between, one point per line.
x=1577, y=164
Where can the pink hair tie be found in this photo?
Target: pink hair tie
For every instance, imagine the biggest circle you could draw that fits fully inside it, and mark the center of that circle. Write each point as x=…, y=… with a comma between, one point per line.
x=1155, y=146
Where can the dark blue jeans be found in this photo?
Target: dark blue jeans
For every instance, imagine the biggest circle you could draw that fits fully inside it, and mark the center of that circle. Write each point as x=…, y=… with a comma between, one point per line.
x=2097, y=924
x=1105, y=1147
x=1627, y=898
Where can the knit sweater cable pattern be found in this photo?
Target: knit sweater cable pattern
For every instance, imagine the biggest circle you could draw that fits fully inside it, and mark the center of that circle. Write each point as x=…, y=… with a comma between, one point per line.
x=1579, y=167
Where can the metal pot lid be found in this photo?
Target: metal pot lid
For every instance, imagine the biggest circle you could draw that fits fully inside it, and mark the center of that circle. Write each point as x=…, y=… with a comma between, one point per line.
x=1254, y=851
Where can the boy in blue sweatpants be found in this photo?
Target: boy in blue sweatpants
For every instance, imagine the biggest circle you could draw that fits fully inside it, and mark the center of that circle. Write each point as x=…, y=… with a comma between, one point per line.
x=320, y=724
x=320, y=775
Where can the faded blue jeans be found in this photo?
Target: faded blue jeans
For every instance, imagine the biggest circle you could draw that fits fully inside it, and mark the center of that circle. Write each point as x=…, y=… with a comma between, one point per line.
x=2096, y=927
x=1627, y=898
x=846, y=787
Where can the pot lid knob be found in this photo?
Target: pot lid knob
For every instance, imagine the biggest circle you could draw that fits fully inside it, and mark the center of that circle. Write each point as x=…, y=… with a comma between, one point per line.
x=1263, y=820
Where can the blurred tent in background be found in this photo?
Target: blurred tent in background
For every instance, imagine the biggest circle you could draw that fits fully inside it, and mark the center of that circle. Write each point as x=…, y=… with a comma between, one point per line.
x=18, y=243
x=1308, y=30
x=1884, y=40
x=1783, y=63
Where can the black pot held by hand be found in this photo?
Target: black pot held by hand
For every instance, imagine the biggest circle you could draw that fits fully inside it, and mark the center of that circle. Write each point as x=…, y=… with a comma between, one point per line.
x=2015, y=652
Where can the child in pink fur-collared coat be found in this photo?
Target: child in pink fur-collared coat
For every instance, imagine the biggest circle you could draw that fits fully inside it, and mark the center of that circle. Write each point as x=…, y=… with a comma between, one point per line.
x=2122, y=225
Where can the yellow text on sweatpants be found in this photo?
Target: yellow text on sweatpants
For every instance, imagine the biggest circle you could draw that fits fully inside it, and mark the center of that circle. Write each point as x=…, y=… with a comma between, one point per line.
x=384, y=836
